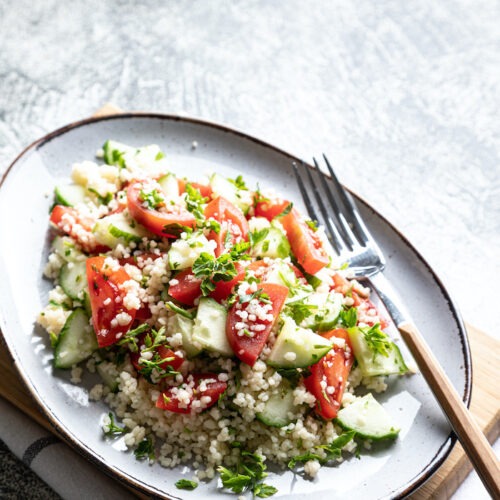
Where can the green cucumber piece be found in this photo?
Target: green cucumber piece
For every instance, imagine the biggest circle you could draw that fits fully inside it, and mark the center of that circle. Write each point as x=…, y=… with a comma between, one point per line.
x=327, y=313
x=271, y=243
x=69, y=195
x=185, y=327
x=297, y=347
x=114, y=151
x=118, y=228
x=65, y=247
x=183, y=252
x=368, y=418
x=278, y=406
x=76, y=342
x=225, y=188
x=209, y=328
x=73, y=279
x=373, y=363
x=169, y=186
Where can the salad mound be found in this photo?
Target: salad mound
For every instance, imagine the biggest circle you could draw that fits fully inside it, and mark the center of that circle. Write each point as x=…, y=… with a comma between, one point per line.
x=224, y=330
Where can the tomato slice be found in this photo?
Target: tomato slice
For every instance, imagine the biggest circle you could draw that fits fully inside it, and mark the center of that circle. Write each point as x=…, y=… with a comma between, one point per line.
x=234, y=226
x=204, y=391
x=249, y=323
x=166, y=223
x=305, y=243
x=106, y=301
x=204, y=189
x=185, y=287
x=328, y=376
x=69, y=221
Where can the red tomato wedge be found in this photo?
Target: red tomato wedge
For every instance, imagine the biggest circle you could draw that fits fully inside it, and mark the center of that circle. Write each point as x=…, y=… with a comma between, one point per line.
x=204, y=189
x=164, y=223
x=171, y=359
x=185, y=287
x=232, y=221
x=106, y=301
x=204, y=390
x=305, y=243
x=328, y=376
x=249, y=323
x=69, y=221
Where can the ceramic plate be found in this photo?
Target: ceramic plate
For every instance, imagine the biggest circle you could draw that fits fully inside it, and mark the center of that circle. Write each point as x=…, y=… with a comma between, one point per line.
x=25, y=198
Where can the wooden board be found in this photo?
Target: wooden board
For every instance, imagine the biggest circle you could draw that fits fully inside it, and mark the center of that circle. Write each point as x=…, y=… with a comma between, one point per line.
x=485, y=403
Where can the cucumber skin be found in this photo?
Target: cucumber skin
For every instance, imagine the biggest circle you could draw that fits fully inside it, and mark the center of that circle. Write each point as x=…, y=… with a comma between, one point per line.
x=391, y=434
x=365, y=358
x=63, y=338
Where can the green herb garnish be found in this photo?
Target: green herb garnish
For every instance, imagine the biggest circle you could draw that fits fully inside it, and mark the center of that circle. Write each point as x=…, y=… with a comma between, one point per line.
x=153, y=199
x=112, y=429
x=145, y=449
x=186, y=484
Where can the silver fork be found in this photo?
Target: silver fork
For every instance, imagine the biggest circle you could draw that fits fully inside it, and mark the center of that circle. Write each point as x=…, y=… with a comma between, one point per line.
x=354, y=244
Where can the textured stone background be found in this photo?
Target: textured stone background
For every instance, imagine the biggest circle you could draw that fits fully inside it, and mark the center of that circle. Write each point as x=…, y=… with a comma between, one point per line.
x=403, y=95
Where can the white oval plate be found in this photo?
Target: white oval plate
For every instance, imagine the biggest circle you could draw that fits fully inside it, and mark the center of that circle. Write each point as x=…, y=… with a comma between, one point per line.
x=25, y=197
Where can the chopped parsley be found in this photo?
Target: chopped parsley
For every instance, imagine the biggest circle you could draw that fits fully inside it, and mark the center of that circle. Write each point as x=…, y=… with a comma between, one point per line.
x=348, y=317
x=211, y=269
x=238, y=182
x=145, y=449
x=104, y=200
x=332, y=451
x=180, y=310
x=256, y=237
x=131, y=337
x=186, y=484
x=247, y=475
x=153, y=199
x=286, y=211
x=112, y=429
x=377, y=340
x=313, y=224
x=195, y=201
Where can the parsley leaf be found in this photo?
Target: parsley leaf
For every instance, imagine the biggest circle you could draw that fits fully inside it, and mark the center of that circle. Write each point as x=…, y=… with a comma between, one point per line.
x=186, y=484
x=256, y=237
x=238, y=182
x=180, y=310
x=131, y=337
x=378, y=341
x=286, y=211
x=153, y=199
x=348, y=317
x=112, y=429
x=313, y=224
x=248, y=474
x=145, y=449
x=194, y=202
x=332, y=450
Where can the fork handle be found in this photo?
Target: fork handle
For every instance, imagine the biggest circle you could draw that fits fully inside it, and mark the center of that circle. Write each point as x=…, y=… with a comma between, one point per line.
x=462, y=422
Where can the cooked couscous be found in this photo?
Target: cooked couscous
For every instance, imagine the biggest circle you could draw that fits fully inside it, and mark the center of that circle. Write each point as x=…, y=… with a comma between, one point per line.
x=225, y=332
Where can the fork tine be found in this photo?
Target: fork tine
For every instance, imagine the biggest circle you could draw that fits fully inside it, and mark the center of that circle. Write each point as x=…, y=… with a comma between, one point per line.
x=345, y=231
x=333, y=235
x=352, y=212
x=303, y=192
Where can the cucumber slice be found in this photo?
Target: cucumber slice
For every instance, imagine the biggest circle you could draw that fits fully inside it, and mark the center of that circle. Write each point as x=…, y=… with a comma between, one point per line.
x=65, y=247
x=270, y=242
x=368, y=418
x=297, y=347
x=76, y=342
x=118, y=228
x=209, y=328
x=325, y=317
x=374, y=363
x=169, y=186
x=183, y=253
x=185, y=327
x=225, y=188
x=278, y=406
x=73, y=279
x=114, y=151
x=69, y=195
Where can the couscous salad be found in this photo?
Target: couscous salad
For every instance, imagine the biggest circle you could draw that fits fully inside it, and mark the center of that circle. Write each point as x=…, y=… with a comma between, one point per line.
x=226, y=334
